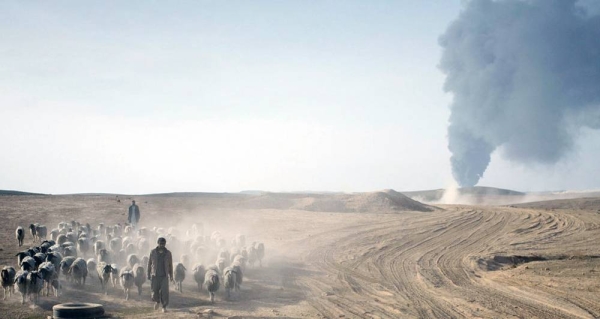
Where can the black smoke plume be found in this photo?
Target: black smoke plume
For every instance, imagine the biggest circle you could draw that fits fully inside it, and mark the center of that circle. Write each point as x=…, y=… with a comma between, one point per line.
x=525, y=77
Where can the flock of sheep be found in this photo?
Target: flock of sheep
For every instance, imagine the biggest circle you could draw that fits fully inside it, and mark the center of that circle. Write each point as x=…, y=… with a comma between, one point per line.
x=74, y=251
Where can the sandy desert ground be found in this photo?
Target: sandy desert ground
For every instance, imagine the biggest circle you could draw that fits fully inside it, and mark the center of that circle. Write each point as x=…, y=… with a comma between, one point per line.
x=535, y=260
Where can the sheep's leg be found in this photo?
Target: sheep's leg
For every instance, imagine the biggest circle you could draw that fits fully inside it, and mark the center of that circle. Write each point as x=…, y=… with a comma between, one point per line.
x=4, y=294
x=139, y=290
x=212, y=297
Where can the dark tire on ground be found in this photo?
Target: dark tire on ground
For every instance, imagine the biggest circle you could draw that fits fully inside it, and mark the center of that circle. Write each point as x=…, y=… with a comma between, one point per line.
x=77, y=310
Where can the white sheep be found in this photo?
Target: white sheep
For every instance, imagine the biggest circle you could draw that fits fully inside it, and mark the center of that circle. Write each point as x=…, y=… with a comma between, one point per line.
x=41, y=232
x=239, y=275
x=35, y=284
x=229, y=280
x=104, y=271
x=140, y=277
x=211, y=282
x=21, y=283
x=49, y=273
x=179, y=276
x=79, y=271
x=127, y=280
x=65, y=266
x=20, y=234
x=28, y=263
x=7, y=276
x=114, y=275
x=132, y=259
x=199, y=273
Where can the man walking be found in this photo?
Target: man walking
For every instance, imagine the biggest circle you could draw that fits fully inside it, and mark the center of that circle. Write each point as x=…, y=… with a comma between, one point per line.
x=134, y=214
x=160, y=271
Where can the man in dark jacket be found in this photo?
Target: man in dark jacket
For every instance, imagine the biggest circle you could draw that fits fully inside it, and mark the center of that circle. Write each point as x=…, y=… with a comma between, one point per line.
x=134, y=214
x=160, y=271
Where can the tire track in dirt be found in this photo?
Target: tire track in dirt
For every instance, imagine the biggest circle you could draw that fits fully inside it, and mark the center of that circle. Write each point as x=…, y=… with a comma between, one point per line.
x=430, y=265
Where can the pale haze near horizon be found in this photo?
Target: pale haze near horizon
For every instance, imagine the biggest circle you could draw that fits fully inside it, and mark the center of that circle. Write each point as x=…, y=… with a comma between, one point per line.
x=150, y=97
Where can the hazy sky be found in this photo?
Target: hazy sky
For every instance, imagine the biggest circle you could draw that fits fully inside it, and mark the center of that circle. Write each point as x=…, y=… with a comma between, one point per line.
x=224, y=96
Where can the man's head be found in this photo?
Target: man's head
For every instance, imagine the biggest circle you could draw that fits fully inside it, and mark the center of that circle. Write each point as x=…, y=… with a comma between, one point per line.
x=162, y=242
x=133, y=202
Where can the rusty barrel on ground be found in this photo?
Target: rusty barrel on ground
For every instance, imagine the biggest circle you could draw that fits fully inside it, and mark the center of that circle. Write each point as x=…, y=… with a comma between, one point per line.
x=77, y=310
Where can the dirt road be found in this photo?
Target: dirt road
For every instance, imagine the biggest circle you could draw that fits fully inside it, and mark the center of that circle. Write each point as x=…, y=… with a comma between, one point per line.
x=459, y=262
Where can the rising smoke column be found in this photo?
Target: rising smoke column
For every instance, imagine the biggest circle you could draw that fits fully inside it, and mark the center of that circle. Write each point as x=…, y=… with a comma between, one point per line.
x=525, y=76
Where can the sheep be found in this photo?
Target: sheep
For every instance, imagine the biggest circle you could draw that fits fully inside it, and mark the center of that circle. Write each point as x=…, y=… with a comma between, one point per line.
x=179, y=276
x=104, y=256
x=241, y=261
x=199, y=273
x=41, y=231
x=65, y=266
x=211, y=281
x=69, y=250
x=239, y=275
x=54, y=234
x=32, y=231
x=61, y=239
x=91, y=265
x=127, y=281
x=128, y=230
x=221, y=265
x=7, y=277
x=145, y=260
x=132, y=260
x=98, y=245
x=39, y=259
x=20, y=256
x=49, y=273
x=104, y=271
x=140, y=277
x=79, y=271
x=46, y=244
x=33, y=250
x=115, y=244
x=55, y=258
x=72, y=237
x=252, y=256
x=21, y=283
x=260, y=253
x=28, y=263
x=114, y=275
x=229, y=280
x=224, y=253
x=83, y=245
x=20, y=233
x=35, y=284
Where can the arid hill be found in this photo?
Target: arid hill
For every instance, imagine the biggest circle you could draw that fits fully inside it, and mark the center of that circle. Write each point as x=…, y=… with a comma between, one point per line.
x=382, y=201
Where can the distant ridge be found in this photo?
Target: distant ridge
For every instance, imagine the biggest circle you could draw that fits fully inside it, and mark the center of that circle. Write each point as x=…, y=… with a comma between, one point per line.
x=437, y=194
x=10, y=192
x=381, y=201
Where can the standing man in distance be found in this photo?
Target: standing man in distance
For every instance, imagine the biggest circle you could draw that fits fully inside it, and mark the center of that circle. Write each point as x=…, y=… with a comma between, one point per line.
x=134, y=214
x=160, y=271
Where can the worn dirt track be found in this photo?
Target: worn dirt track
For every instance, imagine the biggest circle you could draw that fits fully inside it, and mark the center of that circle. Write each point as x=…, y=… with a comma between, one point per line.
x=441, y=265
x=457, y=262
